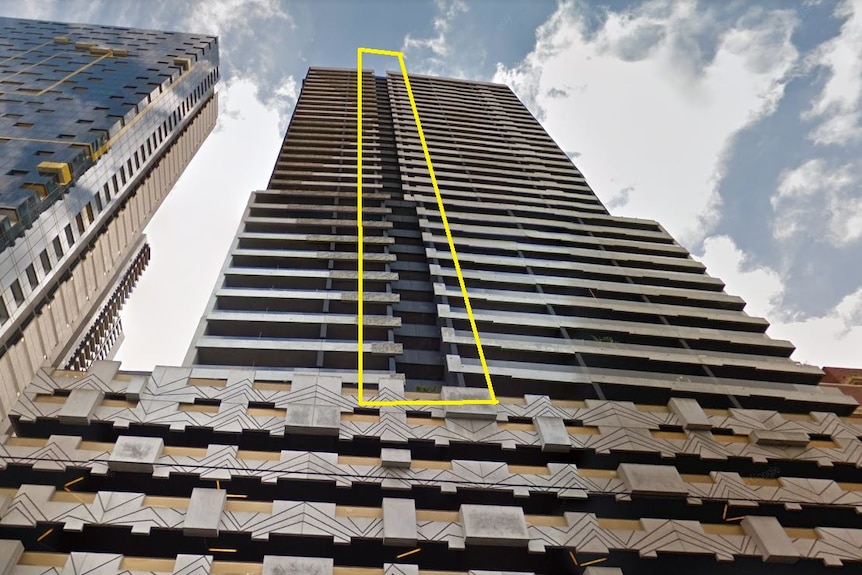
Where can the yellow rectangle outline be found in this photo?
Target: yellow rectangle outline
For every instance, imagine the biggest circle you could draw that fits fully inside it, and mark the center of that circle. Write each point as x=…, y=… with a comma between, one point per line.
x=493, y=398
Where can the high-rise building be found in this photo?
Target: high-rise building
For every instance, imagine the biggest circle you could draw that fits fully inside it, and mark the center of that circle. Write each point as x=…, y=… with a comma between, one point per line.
x=96, y=125
x=645, y=424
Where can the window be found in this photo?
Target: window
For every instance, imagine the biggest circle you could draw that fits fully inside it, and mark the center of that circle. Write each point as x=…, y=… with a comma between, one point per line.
x=31, y=277
x=17, y=293
x=70, y=239
x=90, y=217
x=79, y=219
x=4, y=313
x=98, y=199
x=46, y=261
x=58, y=248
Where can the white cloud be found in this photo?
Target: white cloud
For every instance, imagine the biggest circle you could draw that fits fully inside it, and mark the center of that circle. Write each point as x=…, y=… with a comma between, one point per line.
x=760, y=287
x=434, y=55
x=833, y=339
x=447, y=12
x=283, y=100
x=247, y=46
x=644, y=110
x=49, y=10
x=839, y=104
x=192, y=231
x=287, y=88
x=200, y=16
x=819, y=187
x=218, y=16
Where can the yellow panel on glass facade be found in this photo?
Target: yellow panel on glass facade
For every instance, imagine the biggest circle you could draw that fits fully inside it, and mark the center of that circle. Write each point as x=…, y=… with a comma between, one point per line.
x=59, y=169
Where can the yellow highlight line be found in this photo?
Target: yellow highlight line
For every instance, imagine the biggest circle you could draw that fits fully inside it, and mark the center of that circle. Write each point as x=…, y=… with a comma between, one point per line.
x=43, y=140
x=101, y=151
x=73, y=482
x=75, y=73
x=45, y=534
x=408, y=553
x=95, y=154
x=493, y=398
x=588, y=563
x=25, y=53
x=28, y=68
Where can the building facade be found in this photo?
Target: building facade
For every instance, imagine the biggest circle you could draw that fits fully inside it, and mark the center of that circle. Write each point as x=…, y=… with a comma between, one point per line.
x=104, y=334
x=645, y=424
x=96, y=125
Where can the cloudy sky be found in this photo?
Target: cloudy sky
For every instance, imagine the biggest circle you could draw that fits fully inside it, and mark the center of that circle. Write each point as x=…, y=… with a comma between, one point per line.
x=737, y=125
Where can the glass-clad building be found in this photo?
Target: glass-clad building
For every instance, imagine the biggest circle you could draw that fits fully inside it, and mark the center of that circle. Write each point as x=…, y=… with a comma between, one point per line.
x=96, y=124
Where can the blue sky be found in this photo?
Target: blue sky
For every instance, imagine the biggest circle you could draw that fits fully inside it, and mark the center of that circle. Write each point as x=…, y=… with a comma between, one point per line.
x=737, y=125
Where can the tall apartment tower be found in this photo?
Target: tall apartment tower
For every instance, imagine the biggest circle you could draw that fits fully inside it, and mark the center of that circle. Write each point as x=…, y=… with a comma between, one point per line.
x=96, y=125
x=646, y=424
